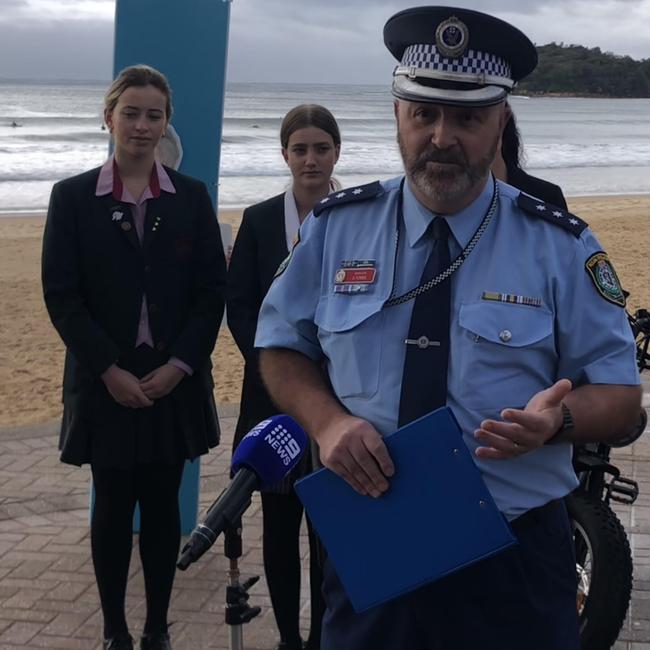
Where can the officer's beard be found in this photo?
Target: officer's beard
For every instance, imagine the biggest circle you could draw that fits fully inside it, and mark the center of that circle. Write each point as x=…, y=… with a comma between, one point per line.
x=452, y=183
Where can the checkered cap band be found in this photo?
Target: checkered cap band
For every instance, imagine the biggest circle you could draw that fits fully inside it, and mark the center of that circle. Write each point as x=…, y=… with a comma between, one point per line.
x=472, y=62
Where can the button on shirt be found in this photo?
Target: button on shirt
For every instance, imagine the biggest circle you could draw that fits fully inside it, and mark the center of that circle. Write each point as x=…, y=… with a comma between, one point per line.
x=501, y=353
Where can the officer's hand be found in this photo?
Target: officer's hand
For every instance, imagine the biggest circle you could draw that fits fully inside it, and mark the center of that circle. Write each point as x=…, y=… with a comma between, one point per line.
x=125, y=388
x=524, y=430
x=353, y=449
x=161, y=381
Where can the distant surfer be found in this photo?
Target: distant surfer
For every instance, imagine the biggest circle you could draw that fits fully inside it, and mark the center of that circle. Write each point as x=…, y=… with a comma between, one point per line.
x=14, y=124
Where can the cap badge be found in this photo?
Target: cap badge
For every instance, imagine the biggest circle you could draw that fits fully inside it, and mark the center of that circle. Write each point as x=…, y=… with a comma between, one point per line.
x=452, y=37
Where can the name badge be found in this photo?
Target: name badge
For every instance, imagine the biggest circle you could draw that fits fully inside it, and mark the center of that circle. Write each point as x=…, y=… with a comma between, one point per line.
x=355, y=276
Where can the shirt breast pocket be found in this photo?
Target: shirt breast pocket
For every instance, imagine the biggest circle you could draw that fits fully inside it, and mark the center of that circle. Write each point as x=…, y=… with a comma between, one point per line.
x=349, y=331
x=506, y=354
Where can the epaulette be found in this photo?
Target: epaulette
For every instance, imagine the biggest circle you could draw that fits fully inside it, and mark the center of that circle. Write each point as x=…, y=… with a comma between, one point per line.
x=359, y=193
x=551, y=213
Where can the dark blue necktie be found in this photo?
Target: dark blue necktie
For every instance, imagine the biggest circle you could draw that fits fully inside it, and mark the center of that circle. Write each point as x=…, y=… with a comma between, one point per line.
x=424, y=382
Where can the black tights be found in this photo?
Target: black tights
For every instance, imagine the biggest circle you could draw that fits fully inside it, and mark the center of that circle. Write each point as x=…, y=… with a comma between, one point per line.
x=282, y=518
x=155, y=489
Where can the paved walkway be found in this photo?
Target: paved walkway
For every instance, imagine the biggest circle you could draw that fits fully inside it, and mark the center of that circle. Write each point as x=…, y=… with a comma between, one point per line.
x=48, y=597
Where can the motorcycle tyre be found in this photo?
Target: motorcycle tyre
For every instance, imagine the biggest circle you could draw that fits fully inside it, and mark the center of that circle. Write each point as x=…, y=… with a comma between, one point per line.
x=610, y=588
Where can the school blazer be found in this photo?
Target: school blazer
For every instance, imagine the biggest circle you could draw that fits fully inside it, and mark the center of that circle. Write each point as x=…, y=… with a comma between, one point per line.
x=95, y=272
x=259, y=249
x=537, y=187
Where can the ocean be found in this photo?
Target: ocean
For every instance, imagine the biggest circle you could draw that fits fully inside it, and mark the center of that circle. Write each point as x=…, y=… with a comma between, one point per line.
x=587, y=146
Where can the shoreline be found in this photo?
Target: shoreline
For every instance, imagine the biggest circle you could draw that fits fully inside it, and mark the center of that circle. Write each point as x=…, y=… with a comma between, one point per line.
x=31, y=353
x=41, y=212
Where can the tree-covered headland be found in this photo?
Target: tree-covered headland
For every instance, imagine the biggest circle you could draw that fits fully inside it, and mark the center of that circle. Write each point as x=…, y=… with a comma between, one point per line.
x=581, y=71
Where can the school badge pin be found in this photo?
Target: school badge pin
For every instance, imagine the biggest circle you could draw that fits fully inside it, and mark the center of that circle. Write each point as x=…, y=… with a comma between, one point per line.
x=117, y=215
x=604, y=277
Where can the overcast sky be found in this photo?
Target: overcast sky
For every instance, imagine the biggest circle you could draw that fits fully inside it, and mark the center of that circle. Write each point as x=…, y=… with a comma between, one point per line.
x=325, y=41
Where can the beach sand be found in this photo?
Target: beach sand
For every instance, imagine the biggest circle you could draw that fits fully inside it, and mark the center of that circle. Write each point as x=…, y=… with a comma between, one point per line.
x=31, y=353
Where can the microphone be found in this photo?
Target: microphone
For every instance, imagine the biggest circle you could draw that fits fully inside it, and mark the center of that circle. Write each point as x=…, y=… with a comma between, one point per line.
x=265, y=455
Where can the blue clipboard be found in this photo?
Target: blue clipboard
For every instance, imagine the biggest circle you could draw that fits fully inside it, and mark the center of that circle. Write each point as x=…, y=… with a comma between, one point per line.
x=436, y=518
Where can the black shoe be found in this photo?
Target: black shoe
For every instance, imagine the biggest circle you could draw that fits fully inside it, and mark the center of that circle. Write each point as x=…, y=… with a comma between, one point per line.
x=287, y=645
x=155, y=641
x=118, y=643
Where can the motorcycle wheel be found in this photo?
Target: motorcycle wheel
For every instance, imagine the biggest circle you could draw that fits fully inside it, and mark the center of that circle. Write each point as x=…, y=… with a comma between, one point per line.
x=604, y=568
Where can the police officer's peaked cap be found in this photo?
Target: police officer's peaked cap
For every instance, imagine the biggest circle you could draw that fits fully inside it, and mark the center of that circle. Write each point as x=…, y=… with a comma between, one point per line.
x=456, y=56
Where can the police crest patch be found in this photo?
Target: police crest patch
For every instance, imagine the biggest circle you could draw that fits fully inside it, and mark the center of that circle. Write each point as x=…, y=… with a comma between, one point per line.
x=604, y=277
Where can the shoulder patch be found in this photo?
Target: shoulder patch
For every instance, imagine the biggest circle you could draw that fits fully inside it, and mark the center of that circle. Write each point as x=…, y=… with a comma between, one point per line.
x=348, y=195
x=551, y=213
x=604, y=277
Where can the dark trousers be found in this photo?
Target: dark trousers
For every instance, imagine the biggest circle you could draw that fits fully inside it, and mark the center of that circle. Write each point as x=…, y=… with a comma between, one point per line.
x=522, y=598
x=281, y=530
x=155, y=489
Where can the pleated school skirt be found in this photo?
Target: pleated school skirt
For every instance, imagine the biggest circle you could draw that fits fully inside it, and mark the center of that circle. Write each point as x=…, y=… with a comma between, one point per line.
x=181, y=425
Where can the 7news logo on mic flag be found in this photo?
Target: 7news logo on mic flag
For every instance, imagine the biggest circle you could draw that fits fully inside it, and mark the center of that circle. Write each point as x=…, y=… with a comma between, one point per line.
x=271, y=448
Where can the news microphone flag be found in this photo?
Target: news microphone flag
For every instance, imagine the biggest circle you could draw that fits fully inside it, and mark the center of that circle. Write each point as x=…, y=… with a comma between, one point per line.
x=264, y=456
x=271, y=449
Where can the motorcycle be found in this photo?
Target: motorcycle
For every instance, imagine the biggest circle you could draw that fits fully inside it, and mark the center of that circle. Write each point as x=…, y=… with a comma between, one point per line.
x=603, y=555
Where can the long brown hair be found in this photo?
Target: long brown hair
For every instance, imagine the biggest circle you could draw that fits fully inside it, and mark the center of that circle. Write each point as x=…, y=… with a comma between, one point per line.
x=306, y=115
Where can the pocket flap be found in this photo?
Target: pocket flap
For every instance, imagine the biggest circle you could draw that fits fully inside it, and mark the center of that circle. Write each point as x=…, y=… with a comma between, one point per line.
x=341, y=312
x=505, y=323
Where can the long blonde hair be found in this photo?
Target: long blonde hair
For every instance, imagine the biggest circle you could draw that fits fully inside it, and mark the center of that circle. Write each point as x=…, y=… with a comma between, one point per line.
x=138, y=75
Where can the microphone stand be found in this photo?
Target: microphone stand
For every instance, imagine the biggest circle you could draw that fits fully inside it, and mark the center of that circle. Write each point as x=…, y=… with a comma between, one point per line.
x=238, y=611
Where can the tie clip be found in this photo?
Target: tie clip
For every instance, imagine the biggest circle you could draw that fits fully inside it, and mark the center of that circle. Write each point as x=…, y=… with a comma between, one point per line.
x=423, y=342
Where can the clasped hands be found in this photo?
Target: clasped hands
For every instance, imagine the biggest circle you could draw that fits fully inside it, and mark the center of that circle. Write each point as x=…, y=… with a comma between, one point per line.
x=126, y=389
x=352, y=448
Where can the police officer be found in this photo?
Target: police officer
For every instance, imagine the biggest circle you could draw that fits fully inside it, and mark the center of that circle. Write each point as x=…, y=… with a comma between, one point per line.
x=449, y=287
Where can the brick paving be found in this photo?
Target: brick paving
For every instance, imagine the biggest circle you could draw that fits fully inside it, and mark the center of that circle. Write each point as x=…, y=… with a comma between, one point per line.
x=48, y=597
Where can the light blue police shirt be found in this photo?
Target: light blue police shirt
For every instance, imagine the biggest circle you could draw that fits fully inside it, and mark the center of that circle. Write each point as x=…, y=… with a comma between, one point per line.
x=501, y=353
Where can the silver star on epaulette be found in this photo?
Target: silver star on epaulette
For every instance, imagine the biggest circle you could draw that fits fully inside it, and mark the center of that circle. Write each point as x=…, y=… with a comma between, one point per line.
x=558, y=214
x=540, y=207
x=326, y=199
x=357, y=191
x=340, y=195
x=574, y=222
